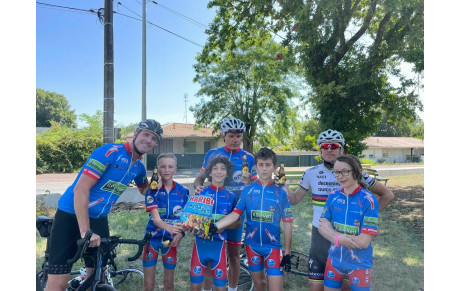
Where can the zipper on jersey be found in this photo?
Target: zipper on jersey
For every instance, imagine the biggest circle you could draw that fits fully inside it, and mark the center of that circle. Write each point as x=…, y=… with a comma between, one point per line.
x=261, y=208
x=215, y=210
x=167, y=212
x=345, y=228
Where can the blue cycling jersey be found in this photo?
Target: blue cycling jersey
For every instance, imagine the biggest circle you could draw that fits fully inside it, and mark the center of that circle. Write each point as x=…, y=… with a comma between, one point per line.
x=223, y=202
x=265, y=207
x=235, y=185
x=169, y=207
x=354, y=214
x=109, y=166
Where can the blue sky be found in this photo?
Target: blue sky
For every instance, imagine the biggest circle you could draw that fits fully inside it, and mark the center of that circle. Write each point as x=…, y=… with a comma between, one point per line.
x=69, y=56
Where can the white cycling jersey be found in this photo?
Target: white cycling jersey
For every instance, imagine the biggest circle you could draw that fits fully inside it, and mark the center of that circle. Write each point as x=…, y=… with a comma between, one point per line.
x=322, y=181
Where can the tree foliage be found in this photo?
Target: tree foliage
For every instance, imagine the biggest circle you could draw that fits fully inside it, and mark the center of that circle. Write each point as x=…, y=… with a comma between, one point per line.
x=51, y=106
x=389, y=127
x=349, y=50
x=306, y=138
x=252, y=83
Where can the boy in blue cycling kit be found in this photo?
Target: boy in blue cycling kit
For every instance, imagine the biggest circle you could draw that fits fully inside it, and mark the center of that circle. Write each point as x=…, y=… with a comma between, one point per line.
x=210, y=253
x=164, y=205
x=321, y=180
x=85, y=204
x=265, y=205
x=232, y=130
x=349, y=221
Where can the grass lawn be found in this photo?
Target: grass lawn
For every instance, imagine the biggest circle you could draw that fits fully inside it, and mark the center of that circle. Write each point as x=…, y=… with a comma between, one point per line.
x=398, y=248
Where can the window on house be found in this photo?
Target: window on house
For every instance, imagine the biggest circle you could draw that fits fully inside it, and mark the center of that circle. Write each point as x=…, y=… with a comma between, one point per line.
x=190, y=147
x=371, y=155
x=384, y=155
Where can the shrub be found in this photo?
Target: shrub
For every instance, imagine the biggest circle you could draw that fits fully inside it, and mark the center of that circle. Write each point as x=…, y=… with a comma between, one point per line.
x=367, y=161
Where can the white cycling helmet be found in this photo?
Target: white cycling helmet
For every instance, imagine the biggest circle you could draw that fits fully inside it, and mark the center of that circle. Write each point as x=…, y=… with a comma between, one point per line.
x=233, y=125
x=331, y=136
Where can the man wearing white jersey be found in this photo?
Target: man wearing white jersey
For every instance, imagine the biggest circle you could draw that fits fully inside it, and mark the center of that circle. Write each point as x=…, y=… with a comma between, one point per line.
x=321, y=180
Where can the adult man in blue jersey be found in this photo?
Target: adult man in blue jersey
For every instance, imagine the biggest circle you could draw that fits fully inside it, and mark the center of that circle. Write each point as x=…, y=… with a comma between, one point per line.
x=232, y=130
x=322, y=181
x=83, y=208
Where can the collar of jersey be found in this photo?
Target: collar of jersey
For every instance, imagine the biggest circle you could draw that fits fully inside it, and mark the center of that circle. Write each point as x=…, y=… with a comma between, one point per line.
x=328, y=165
x=231, y=151
x=354, y=192
x=172, y=188
x=215, y=188
x=269, y=183
x=128, y=149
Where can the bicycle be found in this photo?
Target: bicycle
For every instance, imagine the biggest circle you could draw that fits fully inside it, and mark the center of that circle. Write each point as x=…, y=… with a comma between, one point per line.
x=44, y=225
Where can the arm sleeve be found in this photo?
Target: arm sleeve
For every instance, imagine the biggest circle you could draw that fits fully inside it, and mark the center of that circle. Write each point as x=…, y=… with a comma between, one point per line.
x=371, y=215
x=368, y=180
x=327, y=209
x=150, y=202
x=99, y=160
x=141, y=179
x=305, y=182
x=287, y=212
x=252, y=168
x=241, y=203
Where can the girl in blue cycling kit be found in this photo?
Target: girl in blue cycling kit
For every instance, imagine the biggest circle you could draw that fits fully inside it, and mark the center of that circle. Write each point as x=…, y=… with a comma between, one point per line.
x=349, y=221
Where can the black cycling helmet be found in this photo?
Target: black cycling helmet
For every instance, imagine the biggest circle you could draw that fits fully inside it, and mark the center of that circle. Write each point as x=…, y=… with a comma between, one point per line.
x=150, y=125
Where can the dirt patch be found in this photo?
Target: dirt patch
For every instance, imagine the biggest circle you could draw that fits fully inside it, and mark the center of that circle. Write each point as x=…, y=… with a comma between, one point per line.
x=408, y=208
x=123, y=206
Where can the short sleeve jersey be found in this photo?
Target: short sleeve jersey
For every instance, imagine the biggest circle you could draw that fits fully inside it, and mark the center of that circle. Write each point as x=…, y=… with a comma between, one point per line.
x=224, y=202
x=109, y=166
x=169, y=207
x=322, y=181
x=353, y=215
x=265, y=208
x=236, y=157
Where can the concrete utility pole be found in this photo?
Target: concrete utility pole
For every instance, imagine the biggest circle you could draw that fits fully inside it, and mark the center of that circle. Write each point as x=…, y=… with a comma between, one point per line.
x=144, y=59
x=108, y=132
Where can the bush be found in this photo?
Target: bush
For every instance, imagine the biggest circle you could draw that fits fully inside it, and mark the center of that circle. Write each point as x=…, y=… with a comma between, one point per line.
x=64, y=150
x=367, y=161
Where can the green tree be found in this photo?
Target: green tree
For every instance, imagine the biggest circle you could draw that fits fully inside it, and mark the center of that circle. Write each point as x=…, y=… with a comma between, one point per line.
x=51, y=106
x=252, y=83
x=306, y=138
x=94, y=123
x=348, y=49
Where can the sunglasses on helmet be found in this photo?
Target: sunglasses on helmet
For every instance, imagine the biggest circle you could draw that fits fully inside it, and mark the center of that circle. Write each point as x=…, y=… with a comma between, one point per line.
x=331, y=146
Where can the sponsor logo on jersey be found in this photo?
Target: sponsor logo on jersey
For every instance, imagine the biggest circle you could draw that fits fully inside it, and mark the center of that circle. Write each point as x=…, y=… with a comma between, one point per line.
x=321, y=177
x=287, y=211
x=255, y=260
x=114, y=187
x=162, y=211
x=149, y=199
x=95, y=164
x=124, y=160
x=112, y=149
x=219, y=273
x=169, y=259
x=197, y=270
x=271, y=262
x=355, y=281
x=177, y=210
x=357, y=223
x=272, y=209
x=341, y=201
x=371, y=221
x=263, y=216
x=330, y=274
x=237, y=176
x=347, y=229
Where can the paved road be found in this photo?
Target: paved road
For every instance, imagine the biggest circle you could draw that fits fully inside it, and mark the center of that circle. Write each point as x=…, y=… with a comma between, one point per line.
x=54, y=185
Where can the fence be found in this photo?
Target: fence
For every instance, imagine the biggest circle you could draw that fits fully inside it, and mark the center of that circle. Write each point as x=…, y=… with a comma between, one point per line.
x=192, y=161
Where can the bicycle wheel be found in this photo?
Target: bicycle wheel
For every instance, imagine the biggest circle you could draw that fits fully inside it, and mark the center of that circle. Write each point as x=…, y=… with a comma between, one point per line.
x=245, y=280
x=299, y=263
x=104, y=287
x=120, y=276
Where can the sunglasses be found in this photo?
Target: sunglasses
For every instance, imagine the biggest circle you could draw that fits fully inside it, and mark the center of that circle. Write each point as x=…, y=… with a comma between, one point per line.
x=331, y=146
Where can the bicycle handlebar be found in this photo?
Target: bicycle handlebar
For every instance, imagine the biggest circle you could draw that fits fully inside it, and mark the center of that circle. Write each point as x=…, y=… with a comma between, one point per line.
x=114, y=240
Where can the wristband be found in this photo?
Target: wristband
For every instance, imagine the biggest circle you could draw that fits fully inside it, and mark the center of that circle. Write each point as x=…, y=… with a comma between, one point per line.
x=337, y=241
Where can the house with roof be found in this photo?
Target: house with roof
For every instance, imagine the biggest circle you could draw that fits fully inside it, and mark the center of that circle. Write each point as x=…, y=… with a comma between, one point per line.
x=394, y=149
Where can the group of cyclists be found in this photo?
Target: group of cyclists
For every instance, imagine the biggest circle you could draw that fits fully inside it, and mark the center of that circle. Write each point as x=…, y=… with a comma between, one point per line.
x=345, y=213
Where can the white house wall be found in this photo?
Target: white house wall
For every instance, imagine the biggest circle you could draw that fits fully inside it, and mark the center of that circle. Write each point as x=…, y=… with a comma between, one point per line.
x=393, y=155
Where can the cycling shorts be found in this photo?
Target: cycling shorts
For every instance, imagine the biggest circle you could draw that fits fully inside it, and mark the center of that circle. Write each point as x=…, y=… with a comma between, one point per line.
x=360, y=279
x=205, y=252
x=260, y=257
x=169, y=255
x=64, y=235
x=234, y=235
x=318, y=255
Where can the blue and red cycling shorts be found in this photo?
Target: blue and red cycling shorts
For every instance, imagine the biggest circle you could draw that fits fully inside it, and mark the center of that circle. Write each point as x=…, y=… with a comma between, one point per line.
x=169, y=255
x=205, y=252
x=360, y=279
x=260, y=257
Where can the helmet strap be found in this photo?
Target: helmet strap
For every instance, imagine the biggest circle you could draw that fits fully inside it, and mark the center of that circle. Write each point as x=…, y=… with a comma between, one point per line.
x=134, y=145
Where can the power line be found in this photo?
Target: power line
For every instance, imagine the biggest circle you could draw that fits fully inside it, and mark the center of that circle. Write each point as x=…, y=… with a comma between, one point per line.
x=180, y=15
x=65, y=7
